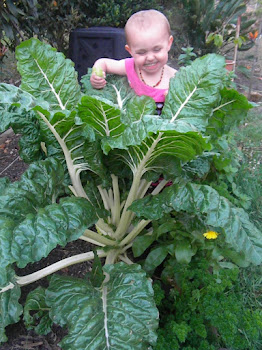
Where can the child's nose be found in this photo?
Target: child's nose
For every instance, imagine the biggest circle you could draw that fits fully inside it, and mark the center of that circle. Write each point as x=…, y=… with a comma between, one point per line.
x=150, y=56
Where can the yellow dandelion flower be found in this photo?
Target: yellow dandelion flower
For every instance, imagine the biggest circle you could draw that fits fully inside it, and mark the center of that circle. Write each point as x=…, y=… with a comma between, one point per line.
x=210, y=235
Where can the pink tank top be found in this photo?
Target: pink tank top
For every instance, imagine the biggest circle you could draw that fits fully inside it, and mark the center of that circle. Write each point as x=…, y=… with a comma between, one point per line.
x=139, y=87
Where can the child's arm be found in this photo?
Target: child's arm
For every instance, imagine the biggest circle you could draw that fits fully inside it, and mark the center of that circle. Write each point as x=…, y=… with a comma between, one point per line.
x=103, y=66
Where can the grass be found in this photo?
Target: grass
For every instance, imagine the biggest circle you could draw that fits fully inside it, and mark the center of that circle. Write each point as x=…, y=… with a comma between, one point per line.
x=249, y=180
x=250, y=281
x=249, y=176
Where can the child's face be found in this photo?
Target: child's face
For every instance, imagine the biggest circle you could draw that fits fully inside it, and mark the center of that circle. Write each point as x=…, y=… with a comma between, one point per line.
x=150, y=48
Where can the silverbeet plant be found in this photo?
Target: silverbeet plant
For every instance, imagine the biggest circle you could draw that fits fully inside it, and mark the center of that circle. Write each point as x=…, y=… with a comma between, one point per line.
x=94, y=156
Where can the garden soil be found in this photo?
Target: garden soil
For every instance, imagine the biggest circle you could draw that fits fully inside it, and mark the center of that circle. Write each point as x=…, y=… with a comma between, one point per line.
x=12, y=166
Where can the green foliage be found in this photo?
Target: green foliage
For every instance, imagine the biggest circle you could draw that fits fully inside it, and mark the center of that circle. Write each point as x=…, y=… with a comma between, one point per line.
x=94, y=155
x=159, y=294
x=36, y=312
x=116, y=13
x=187, y=57
x=208, y=25
x=54, y=20
x=207, y=310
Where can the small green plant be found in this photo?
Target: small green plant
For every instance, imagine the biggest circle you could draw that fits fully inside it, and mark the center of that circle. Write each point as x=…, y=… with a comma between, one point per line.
x=207, y=310
x=219, y=40
x=186, y=58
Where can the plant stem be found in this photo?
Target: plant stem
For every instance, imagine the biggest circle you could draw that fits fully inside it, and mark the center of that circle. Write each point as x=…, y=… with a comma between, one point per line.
x=116, y=207
x=104, y=228
x=89, y=240
x=108, y=202
x=136, y=230
x=104, y=196
x=159, y=187
x=98, y=238
x=112, y=255
x=126, y=259
x=126, y=216
x=236, y=45
x=144, y=186
x=22, y=281
x=254, y=62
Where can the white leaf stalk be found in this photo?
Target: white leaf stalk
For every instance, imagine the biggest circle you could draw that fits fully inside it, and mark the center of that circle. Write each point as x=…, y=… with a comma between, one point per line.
x=126, y=216
x=73, y=169
x=33, y=277
x=76, y=259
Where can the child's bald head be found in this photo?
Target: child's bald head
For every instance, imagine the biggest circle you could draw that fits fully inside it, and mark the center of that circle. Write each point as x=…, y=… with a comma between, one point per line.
x=143, y=20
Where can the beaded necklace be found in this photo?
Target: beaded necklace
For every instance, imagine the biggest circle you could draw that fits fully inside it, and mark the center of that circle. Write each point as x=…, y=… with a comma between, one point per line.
x=161, y=77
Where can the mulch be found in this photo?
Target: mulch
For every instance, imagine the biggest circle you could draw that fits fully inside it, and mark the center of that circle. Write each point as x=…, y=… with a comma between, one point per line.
x=11, y=165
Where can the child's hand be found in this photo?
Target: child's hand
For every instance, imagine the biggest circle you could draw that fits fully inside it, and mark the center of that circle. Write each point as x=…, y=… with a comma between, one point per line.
x=97, y=78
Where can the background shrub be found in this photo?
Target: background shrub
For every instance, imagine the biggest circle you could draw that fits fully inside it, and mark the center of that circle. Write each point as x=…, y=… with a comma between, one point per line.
x=193, y=20
x=53, y=20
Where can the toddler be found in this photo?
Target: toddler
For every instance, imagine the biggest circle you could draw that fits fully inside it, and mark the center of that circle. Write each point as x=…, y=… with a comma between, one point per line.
x=148, y=40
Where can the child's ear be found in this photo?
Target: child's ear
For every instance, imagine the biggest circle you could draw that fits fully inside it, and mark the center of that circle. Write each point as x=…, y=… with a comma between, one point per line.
x=128, y=49
x=170, y=41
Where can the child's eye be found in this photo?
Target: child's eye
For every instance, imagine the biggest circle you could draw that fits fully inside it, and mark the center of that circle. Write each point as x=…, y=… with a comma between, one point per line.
x=157, y=49
x=141, y=52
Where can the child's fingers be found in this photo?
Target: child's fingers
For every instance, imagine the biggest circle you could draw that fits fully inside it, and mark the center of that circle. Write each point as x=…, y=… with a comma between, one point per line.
x=97, y=82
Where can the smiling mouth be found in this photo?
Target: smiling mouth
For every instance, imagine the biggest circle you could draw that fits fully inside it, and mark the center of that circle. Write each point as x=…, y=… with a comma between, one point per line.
x=150, y=64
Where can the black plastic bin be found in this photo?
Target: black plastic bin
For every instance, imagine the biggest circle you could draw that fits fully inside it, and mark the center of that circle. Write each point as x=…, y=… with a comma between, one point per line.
x=87, y=45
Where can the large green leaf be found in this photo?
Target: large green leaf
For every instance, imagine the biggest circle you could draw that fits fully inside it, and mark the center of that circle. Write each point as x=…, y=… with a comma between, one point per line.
x=52, y=96
x=55, y=224
x=11, y=95
x=218, y=212
x=39, y=233
x=230, y=110
x=139, y=127
x=121, y=314
x=10, y=309
x=47, y=75
x=102, y=115
x=81, y=150
x=6, y=230
x=117, y=89
x=40, y=185
x=194, y=90
x=141, y=122
x=171, y=144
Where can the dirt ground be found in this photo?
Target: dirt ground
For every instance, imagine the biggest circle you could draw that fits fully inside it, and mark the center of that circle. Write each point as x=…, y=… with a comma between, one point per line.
x=13, y=167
